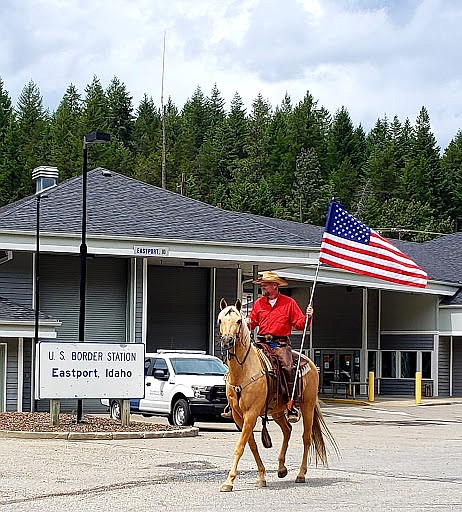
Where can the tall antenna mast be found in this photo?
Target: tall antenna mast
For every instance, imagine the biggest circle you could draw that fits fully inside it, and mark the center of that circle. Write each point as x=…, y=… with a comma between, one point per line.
x=163, y=171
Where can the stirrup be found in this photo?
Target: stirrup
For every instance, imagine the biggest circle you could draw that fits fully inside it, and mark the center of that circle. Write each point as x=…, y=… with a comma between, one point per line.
x=293, y=415
x=227, y=413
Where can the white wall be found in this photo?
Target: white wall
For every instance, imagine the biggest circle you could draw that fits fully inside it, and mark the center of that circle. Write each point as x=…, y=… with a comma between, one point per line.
x=408, y=312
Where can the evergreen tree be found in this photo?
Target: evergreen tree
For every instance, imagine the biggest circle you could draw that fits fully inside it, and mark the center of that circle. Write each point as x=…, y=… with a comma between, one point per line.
x=121, y=122
x=147, y=142
x=344, y=158
x=216, y=108
x=257, y=143
x=67, y=136
x=423, y=178
x=451, y=164
x=281, y=163
x=96, y=112
x=308, y=128
x=6, y=111
x=33, y=135
x=235, y=132
x=147, y=130
x=308, y=200
x=95, y=117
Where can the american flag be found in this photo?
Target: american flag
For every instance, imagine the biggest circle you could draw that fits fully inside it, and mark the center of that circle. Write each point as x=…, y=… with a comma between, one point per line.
x=350, y=245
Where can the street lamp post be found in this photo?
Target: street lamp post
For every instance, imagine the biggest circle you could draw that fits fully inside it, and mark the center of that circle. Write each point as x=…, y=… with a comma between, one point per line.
x=37, y=267
x=90, y=138
x=42, y=194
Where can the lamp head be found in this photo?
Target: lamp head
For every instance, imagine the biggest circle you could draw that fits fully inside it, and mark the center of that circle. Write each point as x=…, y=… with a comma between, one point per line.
x=96, y=137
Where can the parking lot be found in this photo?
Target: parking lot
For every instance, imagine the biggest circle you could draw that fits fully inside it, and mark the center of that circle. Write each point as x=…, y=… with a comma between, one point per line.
x=392, y=457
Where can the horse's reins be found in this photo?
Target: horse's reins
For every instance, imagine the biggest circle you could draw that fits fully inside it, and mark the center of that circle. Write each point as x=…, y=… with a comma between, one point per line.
x=237, y=337
x=238, y=389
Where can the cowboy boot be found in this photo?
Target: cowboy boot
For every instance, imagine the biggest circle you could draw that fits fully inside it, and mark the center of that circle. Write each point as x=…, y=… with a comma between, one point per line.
x=293, y=412
x=227, y=413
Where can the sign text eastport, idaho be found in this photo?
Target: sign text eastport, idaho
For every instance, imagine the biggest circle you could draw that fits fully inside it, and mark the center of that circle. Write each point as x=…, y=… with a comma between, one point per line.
x=90, y=370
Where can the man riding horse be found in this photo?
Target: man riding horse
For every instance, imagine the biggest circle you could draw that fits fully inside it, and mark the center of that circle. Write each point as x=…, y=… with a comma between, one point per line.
x=275, y=315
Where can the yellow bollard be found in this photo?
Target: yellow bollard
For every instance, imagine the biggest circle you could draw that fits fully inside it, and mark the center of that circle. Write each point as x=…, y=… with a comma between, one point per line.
x=418, y=387
x=371, y=387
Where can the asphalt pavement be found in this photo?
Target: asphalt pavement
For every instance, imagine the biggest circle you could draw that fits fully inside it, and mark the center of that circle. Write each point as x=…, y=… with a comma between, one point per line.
x=394, y=456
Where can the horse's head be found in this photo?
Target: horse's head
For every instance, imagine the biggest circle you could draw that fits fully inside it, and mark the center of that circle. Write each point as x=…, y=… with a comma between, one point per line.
x=231, y=324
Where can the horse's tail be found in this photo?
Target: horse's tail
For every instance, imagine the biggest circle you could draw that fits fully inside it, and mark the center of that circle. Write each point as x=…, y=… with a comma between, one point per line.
x=265, y=437
x=320, y=429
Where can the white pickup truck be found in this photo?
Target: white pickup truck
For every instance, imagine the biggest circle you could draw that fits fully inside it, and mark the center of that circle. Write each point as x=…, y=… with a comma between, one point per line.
x=184, y=385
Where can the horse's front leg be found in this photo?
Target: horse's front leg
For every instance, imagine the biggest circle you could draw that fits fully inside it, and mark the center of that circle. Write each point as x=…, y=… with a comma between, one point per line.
x=246, y=424
x=286, y=428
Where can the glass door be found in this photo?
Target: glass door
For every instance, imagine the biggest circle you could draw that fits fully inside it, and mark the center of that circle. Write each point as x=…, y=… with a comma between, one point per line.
x=328, y=368
x=345, y=366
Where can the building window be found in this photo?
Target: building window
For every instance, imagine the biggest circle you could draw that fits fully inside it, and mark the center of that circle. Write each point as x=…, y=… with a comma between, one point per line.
x=408, y=364
x=372, y=362
x=404, y=364
x=389, y=364
x=426, y=365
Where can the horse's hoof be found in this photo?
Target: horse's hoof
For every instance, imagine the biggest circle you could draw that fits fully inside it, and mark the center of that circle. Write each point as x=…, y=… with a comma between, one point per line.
x=300, y=480
x=282, y=473
x=226, y=488
x=261, y=483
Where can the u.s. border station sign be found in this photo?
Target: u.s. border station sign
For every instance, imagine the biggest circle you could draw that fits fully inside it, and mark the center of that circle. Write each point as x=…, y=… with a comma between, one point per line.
x=90, y=370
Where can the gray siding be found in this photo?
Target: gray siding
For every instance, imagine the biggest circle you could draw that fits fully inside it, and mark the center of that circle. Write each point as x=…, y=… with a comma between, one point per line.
x=338, y=317
x=404, y=387
x=27, y=373
x=444, y=363
x=457, y=366
x=407, y=342
x=12, y=375
x=372, y=319
x=178, y=308
x=107, y=300
x=105, y=318
x=16, y=281
x=106, y=307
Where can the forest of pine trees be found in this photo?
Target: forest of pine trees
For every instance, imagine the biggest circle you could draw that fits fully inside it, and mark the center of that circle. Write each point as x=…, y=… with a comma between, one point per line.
x=285, y=161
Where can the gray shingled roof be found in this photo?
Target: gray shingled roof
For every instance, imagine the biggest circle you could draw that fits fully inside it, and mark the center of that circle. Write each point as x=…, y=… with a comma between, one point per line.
x=121, y=206
x=11, y=311
x=441, y=258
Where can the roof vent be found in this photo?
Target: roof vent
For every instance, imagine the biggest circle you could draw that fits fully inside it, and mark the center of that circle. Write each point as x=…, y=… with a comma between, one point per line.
x=45, y=176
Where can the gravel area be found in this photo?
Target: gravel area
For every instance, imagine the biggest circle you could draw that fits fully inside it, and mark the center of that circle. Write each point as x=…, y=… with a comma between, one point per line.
x=40, y=422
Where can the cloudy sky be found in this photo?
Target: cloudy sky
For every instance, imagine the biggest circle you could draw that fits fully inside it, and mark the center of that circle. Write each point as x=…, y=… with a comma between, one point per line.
x=375, y=57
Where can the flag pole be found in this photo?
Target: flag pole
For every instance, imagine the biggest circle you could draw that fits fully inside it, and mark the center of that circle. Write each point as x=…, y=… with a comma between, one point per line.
x=291, y=401
x=297, y=370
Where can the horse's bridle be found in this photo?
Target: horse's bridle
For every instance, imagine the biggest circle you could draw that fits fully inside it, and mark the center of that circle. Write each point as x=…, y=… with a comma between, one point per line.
x=232, y=343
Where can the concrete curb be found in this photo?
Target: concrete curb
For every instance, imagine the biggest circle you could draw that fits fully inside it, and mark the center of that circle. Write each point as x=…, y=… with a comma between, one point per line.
x=402, y=403
x=99, y=436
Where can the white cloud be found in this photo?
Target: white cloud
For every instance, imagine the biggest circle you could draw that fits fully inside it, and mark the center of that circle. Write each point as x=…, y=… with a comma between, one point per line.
x=374, y=57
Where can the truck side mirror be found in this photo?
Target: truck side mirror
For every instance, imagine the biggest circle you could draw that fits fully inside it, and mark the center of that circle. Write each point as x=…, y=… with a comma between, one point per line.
x=160, y=375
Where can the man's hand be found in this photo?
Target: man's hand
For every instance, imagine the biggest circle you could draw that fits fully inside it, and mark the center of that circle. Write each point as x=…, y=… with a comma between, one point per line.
x=309, y=311
x=248, y=321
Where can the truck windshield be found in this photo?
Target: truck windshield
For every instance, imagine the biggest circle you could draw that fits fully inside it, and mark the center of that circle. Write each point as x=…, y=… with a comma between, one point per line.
x=196, y=366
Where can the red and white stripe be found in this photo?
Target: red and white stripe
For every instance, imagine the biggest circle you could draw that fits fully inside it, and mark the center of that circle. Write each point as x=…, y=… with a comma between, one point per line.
x=378, y=259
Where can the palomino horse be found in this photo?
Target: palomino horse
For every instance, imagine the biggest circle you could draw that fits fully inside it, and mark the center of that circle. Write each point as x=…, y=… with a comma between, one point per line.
x=252, y=392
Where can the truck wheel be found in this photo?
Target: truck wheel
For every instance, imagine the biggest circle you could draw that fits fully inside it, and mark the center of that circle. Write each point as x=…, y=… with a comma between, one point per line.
x=181, y=414
x=114, y=410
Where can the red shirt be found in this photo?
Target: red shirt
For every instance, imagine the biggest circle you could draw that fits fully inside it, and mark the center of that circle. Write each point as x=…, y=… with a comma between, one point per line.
x=279, y=319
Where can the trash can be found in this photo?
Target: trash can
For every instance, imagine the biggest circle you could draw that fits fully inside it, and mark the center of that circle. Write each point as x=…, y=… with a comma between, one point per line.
x=428, y=389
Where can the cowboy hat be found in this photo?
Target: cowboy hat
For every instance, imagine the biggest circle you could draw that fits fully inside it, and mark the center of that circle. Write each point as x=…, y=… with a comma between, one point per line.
x=271, y=277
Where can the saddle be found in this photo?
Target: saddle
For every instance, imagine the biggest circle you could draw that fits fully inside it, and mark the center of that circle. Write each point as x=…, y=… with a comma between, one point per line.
x=275, y=369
